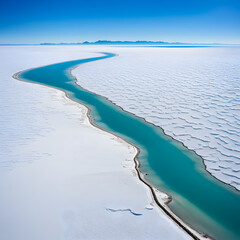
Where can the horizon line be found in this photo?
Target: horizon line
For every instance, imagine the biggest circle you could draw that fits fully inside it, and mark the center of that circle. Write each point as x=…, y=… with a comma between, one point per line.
x=118, y=42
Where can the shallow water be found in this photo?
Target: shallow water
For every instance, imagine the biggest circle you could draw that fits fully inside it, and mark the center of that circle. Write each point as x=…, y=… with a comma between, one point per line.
x=199, y=199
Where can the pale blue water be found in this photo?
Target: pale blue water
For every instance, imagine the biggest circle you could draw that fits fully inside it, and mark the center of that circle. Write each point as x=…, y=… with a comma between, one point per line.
x=199, y=199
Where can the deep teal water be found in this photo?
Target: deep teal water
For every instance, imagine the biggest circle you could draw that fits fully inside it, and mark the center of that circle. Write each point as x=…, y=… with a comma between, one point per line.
x=199, y=199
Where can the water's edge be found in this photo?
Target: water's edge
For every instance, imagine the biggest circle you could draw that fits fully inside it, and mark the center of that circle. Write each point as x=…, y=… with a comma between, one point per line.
x=157, y=196
x=161, y=202
x=142, y=118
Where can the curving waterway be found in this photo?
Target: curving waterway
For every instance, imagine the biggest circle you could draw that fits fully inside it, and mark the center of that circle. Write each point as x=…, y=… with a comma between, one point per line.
x=199, y=199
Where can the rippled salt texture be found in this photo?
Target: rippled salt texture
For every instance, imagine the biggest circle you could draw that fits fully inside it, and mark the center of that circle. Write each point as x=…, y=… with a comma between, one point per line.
x=21, y=103
x=192, y=93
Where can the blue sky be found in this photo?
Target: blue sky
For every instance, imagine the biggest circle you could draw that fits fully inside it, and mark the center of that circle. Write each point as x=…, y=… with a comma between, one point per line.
x=26, y=21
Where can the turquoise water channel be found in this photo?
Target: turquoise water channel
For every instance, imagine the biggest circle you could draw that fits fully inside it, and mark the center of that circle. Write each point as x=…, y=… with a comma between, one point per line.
x=199, y=199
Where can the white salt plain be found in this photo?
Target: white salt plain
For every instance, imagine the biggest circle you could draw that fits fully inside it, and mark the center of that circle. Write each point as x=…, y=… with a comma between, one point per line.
x=61, y=178
x=192, y=93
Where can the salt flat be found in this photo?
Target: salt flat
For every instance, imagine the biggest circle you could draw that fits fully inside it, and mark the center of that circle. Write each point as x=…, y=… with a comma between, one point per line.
x=61, y=178
x=192, y=93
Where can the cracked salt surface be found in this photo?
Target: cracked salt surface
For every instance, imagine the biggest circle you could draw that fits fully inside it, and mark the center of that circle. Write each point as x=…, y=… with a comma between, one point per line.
x=192, y=93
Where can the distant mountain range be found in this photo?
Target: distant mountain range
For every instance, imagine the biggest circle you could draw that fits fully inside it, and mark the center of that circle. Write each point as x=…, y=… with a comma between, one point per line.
x=107, y=42
x=150, y=43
